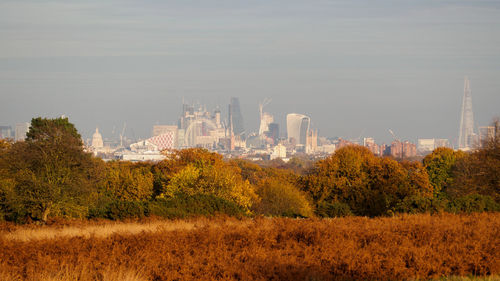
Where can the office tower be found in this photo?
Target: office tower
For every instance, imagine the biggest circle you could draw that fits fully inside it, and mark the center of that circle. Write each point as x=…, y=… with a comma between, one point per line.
x=466, y=134
x=297, y=126
x=231, y=138
x=217, y=118
x=236, y=117
x=5, y=132
x=21, y=130
x=274, y=132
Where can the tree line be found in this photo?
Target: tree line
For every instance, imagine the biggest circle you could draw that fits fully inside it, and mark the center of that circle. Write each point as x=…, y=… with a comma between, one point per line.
x=50, y=175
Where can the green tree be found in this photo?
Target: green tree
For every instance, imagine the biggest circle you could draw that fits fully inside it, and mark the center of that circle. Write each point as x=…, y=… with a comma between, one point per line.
x=50, y=170
x=439, y=165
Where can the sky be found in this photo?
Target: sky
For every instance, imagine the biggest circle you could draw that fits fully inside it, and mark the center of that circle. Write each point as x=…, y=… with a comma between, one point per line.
x=357, y=68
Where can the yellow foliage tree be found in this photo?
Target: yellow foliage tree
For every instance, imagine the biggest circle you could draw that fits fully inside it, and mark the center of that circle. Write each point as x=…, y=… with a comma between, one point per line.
x=197, y=171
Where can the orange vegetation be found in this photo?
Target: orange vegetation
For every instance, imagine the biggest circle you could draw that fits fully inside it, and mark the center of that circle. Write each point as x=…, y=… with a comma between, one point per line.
x=352, y=248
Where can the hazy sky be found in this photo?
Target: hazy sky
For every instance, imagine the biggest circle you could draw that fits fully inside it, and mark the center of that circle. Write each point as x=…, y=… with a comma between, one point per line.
x=353, y=66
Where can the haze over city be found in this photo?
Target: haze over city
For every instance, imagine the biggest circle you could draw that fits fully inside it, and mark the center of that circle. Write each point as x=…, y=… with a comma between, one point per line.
x=354, y=67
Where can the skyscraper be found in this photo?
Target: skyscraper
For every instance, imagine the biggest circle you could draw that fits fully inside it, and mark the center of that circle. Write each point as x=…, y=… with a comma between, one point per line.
x=466, y=134
x=236, y=117
x=21, y=130
x=297, y=127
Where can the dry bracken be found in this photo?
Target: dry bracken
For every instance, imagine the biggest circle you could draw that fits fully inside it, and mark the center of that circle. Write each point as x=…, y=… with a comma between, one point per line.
x=408, y=247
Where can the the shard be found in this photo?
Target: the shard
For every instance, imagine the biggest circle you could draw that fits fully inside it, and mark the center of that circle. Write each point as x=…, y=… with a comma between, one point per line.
x=466, y=134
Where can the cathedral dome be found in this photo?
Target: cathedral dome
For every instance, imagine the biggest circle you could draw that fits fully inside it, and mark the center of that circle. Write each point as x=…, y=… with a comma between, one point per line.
x=97, y=139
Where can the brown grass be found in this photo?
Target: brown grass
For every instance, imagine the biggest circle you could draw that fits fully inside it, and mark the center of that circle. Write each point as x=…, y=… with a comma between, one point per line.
x=401, y=248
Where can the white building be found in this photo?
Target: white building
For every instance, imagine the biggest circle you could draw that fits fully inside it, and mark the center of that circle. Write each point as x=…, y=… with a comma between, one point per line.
x=279, y=151
x=426, y=146
x=21, y=130
x=297, y=127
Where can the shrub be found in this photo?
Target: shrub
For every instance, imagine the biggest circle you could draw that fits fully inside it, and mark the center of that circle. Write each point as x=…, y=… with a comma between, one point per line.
x=473, y=203
x=282, y=199
x=420, y=204
x=118, y=210
x=191, y=205
x=335, y=209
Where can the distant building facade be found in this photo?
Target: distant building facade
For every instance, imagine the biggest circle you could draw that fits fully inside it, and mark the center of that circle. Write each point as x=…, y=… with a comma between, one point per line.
x=21, y=130
x=403, y=149
x=5, y=132
x=426, y=146
x=171, y=131
x=486, y=133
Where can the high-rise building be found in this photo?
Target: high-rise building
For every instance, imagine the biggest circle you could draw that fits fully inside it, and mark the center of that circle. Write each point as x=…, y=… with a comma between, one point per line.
x=274, y=132
x=21, y=130
x=371, y=145
x=486, y=133
x=297, y=127
x=466, y=136
x=5, y=132
x=403, y=149
x=265, y=120
x=409, y=149
x=236, y=117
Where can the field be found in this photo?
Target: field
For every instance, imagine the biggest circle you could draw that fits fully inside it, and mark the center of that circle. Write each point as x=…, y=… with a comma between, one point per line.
x=408, y=247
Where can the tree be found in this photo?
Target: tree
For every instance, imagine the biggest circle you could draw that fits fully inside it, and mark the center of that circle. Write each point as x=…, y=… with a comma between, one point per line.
x=479, y=171
x=280, y=198
x=129, y=182
x=51, y=170
x=370, y=185
x=197, y=171
x=439, y=165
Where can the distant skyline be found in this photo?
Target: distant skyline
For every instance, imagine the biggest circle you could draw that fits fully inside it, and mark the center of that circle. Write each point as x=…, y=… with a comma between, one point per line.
x=352, y=66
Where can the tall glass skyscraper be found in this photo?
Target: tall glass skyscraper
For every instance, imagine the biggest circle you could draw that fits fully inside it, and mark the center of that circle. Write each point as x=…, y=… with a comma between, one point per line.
x=236, y=117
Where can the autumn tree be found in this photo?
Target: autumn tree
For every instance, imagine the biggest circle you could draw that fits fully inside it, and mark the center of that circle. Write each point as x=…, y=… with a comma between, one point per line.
x=198, y=171
x=369, y=185
x=479, y=171
x=281, y=198
x=127, y=181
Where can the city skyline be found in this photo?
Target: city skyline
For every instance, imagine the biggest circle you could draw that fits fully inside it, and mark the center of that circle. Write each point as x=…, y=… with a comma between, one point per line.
x=353, y=67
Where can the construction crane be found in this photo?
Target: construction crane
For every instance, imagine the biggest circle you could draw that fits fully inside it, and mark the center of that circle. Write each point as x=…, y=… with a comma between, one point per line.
x=265, y=102
x=393, y=135
x=359, y=137
x=399, y=141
